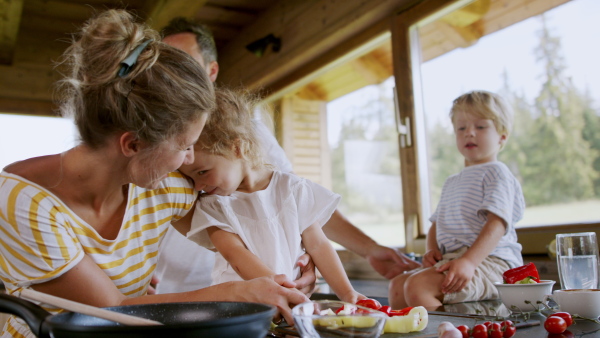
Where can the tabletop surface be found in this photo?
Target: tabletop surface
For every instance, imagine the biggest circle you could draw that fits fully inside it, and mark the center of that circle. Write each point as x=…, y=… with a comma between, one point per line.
x=472, y=313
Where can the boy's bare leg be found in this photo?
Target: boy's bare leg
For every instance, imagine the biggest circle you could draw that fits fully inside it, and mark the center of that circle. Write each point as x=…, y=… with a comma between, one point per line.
x=396, y=294
x=424, y=288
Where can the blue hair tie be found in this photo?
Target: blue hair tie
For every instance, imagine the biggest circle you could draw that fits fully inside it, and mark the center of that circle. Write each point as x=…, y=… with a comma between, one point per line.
x=131, y=59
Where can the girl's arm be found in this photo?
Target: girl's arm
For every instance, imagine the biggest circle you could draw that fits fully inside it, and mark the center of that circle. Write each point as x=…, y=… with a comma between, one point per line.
x=328, y=262
x=233, y=249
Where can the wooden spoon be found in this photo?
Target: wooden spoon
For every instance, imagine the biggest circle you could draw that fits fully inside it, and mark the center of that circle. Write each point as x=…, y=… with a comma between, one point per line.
x=86, y=309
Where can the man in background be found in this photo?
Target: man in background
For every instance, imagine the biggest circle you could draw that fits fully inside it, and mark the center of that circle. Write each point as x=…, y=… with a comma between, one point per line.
x=184, y=265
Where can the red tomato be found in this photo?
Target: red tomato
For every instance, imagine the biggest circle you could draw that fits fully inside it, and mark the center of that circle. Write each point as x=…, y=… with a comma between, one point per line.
x=564, y=315
x=464, y=330
x=487, y=324
x=370, y=303
x=509, y=329
x=479, y=331
x=495, y=331
x=555, y=325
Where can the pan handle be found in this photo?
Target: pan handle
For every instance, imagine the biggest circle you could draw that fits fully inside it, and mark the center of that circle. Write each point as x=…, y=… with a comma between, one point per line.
x=33, y=314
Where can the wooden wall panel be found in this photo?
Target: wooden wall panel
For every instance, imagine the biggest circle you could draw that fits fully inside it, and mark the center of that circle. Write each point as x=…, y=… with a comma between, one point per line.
x=305, y=138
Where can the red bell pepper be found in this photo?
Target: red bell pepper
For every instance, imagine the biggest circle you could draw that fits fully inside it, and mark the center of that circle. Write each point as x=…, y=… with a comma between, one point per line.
x=369, y=303
x=385, y=309
x=519, y=273
x=402, y=312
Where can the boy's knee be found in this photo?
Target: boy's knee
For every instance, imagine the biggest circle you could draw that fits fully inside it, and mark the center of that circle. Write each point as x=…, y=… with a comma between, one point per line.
x=397, y=283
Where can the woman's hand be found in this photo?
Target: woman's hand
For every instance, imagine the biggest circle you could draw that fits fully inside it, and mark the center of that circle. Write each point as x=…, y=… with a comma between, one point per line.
x=276, y=290
x=308, y=278
x=389, y=262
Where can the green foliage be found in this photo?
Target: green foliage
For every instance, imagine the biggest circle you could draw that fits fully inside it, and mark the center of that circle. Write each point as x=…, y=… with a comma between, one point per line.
x=373, y=121
x=554, y=147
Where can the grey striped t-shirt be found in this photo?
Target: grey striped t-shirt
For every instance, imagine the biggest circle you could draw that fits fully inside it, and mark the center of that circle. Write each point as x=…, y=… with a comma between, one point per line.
x=467, y=197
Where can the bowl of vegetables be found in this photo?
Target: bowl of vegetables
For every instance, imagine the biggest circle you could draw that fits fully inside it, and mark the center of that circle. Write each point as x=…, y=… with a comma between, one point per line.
x=522, y=289
x=328, y=318
x=366, y=318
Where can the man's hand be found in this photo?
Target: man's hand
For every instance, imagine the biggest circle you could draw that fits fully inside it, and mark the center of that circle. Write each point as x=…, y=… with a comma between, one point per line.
x=389, y=262
x=431, y=257
x=307, y=281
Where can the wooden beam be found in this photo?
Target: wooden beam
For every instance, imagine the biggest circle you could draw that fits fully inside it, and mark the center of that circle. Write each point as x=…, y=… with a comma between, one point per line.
x=9, y=28
x=29, y=83
x=160, y=12
x=29, y=107
x=308, y=29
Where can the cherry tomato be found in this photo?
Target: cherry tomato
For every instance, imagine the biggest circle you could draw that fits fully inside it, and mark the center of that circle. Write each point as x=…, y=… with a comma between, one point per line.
x=479, y=331
x=487, y=324
x=370, y=303
x=509, y=329
x=495, y=331
x=464, y=330
x=564, y=315
x=555, y=325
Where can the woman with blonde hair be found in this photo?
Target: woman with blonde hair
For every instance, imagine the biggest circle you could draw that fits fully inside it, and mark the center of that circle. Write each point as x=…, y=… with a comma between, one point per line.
x=87, y=224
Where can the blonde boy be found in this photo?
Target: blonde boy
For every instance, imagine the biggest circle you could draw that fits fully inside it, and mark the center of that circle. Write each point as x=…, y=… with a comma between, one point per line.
x=472, y=239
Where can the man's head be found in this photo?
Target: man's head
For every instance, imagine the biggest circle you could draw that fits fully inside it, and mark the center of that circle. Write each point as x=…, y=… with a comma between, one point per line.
x=196, y=40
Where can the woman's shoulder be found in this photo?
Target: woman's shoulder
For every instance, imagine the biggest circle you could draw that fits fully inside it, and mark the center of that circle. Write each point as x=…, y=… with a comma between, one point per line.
x=42, y=170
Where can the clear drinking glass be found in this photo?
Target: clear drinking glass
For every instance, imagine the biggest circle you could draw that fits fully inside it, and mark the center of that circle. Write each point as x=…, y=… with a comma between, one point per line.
x=577, y=258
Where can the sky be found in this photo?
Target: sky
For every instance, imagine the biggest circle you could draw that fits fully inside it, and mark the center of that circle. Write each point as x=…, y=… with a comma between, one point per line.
x=576, y=23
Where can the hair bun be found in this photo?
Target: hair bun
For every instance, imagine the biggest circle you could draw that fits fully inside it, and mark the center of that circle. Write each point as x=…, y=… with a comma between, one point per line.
x=105, y=42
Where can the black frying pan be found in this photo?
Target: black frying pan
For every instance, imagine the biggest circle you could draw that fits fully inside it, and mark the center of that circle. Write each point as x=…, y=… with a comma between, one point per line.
x=196, y=319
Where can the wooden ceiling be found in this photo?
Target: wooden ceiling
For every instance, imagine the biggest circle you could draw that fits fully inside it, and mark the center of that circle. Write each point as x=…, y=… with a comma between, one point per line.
x=459, y=29
x=316, y=36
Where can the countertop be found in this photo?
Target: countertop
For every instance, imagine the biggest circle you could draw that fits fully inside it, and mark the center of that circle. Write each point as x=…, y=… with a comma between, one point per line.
x=472, y=313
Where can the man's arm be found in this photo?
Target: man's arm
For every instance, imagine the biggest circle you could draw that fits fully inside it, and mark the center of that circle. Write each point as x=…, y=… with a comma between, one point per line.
x=386, y=261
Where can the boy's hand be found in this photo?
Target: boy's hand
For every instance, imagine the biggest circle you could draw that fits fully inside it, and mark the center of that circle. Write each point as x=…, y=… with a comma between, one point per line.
x=431, y=257
x=460, y=272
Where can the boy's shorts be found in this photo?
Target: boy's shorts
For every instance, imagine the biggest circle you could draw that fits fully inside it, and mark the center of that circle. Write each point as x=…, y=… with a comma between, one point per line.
x=481, y=286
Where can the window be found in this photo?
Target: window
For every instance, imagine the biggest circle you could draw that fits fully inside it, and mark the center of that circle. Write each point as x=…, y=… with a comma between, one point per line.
x=23, y=137
x=365, y=161
x=544, y=65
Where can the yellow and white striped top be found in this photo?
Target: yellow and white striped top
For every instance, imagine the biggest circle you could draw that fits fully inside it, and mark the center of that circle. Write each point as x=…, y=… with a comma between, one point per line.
x=41, y=238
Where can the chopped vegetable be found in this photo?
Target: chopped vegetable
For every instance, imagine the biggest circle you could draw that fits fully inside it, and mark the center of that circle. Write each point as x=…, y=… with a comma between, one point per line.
x=410, y=319
x=369, y=303
x=414, y=320
x=527, y=280
x=520, y=273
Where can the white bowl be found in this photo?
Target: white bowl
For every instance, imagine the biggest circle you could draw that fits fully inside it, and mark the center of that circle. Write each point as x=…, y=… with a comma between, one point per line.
x=524, y=297
x=311, y=320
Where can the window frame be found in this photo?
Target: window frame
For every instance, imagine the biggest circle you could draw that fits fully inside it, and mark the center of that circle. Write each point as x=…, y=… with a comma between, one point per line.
x=406, y=61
